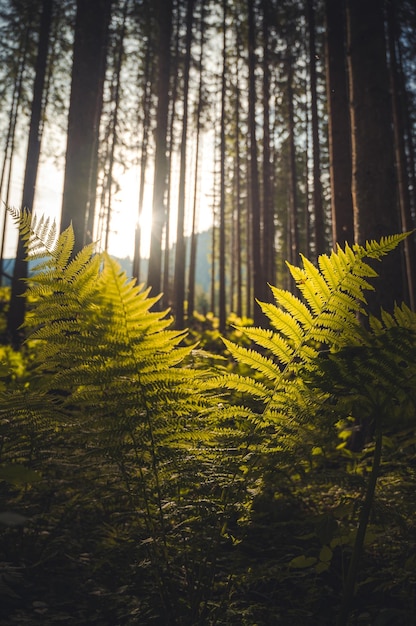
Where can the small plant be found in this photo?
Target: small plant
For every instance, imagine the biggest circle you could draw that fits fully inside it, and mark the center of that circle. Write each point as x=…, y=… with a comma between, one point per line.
x=319, y=362
x=112, y=384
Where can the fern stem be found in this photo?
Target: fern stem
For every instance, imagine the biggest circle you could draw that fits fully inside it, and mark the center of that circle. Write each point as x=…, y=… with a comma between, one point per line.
x=349, y=588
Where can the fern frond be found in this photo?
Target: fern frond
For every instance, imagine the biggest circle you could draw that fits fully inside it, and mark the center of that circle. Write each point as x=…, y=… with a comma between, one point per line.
x=377, y=249
x=294, y=306
x=271, y=341
x=313, y=297
x=405, y=317
x=37, y=233
x=250, y=357
x=324, y=322
x=245, y=385
x=284, y=323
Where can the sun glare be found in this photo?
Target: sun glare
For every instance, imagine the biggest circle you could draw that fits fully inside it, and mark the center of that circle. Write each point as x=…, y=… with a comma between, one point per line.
x=124, y=217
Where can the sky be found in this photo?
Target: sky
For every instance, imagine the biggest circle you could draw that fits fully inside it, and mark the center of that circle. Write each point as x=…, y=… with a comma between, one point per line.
x=48, y=201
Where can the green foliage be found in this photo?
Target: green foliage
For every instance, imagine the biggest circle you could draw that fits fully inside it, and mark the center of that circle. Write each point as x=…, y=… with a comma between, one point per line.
x=304, y=331
x=159, y=483
x=319, y=361
x=112, y=397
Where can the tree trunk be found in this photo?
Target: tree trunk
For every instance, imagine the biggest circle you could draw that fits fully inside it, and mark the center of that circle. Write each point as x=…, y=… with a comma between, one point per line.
x=194, y=236
x=338, y=123
x=146, y=106
x=293, y=184
x=318, y=209
x=258, y=276
x=222, y=304
x=179, y=282
x=164, y=20
x=10, y=137
x=88, y=74
x=167, y=300
x=239, y=220
x=307, y=221
x=268, y=204
x=401, y=159
x=408, y=125
x=113, y=136
x=373, y=185
x=250, y=305
x=16, y=313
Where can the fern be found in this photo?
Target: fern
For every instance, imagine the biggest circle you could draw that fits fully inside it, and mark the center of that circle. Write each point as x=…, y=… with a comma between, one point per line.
x=127, y=424
x=111, y=359
x=113, y=382
x=37, y=233
x=319, y=362
x=324, y=319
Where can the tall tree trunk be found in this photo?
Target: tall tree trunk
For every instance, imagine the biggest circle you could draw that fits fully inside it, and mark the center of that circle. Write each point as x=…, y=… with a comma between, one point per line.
x=307, y=222
x=293, y=182
x=194, y=236
x=144, y=144
x=407, y=114
x=212, y=296
x=180, y=253
x=338, y=123
x=239, y=220
x=250, y=305
x=214, y=233
x=222, y=296
x=88, y=74
x=16, y=313
x=164, y=20
x=409, y=140
x=10, y=138
x=258, y=276
x=167, y=299
x=318, y=208
x=401, y=159
x=268, y=204
x=373, y=185
x=113, y=136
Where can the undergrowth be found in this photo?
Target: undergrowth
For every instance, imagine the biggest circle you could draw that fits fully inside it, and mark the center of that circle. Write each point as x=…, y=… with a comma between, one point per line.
x=148, y=477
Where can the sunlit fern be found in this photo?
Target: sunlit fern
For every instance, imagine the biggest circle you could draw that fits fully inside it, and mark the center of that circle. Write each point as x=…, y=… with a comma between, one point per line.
x=325, y=318
x=98, y=340
x=121, y=391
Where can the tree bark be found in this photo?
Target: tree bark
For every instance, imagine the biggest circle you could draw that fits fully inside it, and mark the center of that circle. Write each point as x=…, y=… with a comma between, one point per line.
x=194, y=235
x=373, y=183
x=180, y=254
x=256, y=226
x=222, y=296
x=88, y=74
x=146, y=104
x=164, y=19
x=318, y=208
x=401, y=159
x=268, y=233
x=339, y=131
x=293, y=184
x=238, y=186
x=17, y=308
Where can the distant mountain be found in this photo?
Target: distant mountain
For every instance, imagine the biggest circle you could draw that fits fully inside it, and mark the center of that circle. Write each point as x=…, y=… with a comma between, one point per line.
x=203, y=262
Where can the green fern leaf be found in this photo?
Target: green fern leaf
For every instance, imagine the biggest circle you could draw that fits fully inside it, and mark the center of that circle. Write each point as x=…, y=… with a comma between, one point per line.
x=294, y=306
x=325, y=322
x=256, y=361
